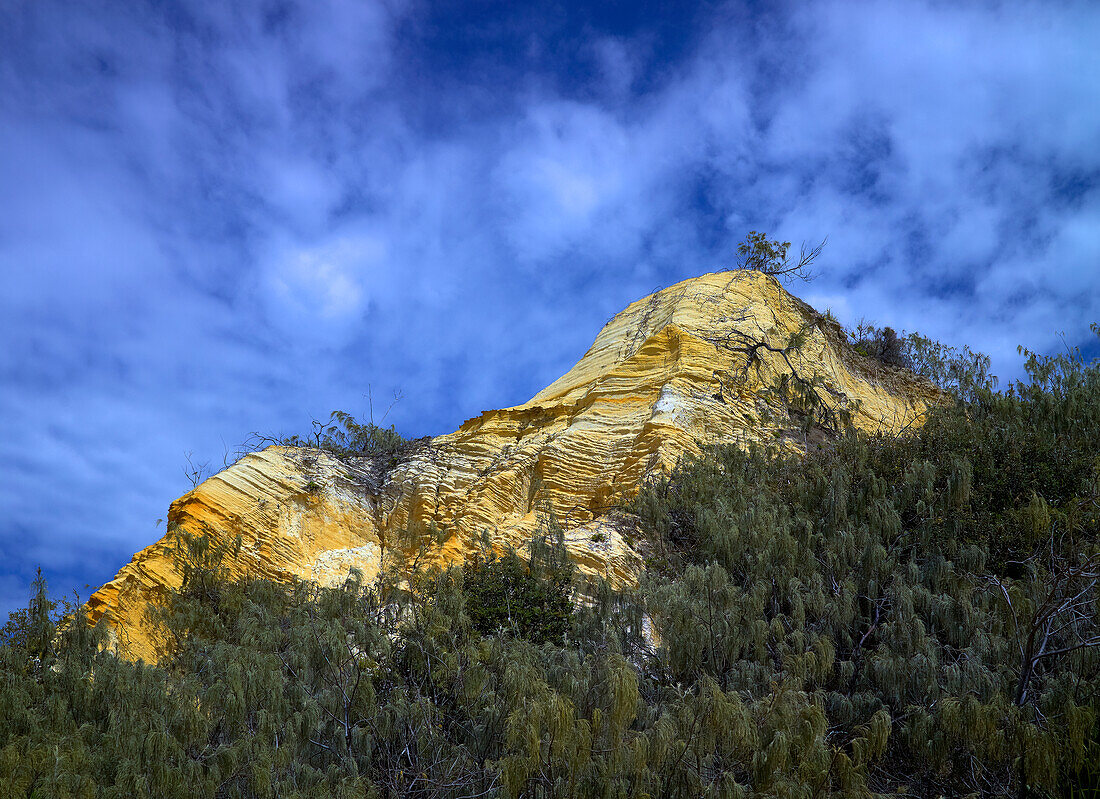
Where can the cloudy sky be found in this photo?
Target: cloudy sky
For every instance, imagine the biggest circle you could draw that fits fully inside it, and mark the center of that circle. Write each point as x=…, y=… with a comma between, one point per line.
x=218, y=218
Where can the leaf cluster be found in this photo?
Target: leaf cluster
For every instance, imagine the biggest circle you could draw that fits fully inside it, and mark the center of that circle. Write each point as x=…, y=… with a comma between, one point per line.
x=529, y=598
x=769, y=257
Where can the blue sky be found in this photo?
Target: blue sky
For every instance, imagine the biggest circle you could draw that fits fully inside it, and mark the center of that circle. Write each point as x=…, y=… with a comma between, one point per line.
x=219, y=218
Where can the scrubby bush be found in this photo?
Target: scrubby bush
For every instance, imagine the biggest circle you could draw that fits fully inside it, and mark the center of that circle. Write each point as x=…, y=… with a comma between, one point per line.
x=960, y=371
x=344, y=435
x=947, y=580
x=887, y=615
x=527, y=597
x=882, y=344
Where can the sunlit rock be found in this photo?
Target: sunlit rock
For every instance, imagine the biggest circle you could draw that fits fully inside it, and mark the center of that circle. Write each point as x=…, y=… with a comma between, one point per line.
x=670, y=373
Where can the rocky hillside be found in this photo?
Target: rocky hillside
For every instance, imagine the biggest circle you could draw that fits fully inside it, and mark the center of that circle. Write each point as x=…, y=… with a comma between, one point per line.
x=722, y=357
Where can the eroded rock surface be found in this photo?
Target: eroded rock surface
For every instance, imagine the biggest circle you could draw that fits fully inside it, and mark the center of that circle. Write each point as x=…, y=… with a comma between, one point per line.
x=669, y=373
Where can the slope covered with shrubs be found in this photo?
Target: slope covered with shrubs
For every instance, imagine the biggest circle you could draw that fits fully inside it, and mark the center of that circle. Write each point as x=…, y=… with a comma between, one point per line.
x=911, y=615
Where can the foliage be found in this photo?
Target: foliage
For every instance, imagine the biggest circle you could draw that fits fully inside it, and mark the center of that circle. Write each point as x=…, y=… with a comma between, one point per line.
x=947, y=580
x=961, y=371
x=886, y=615
x=341, y=434
x=32, y=628
x=770, y=257
x=882, y=344
x=344, y=435
x=529, y=598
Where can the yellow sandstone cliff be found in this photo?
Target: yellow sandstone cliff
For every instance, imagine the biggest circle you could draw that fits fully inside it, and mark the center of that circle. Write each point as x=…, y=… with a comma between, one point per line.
x=693, y=364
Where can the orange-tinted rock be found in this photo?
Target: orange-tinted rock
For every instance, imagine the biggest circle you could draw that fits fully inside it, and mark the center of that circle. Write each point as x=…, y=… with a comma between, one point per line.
x=661, y=378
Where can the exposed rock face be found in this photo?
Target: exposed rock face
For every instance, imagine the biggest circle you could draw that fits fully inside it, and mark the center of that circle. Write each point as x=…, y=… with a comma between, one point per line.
x=667, y=374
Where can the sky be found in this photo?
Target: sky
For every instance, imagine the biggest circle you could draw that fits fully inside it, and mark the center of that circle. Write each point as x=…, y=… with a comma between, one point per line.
x=219, y=218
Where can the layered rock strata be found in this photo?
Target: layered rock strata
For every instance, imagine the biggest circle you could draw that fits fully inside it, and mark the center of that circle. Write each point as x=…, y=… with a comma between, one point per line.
x=693, y=364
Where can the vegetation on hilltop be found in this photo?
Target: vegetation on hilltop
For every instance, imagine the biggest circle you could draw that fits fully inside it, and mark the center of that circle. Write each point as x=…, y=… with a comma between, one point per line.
x=347, y=437
x=960, y=371
x=757, y=253
x=957, y=370
x=342, y=435
x=944, y=583
x=912, y=615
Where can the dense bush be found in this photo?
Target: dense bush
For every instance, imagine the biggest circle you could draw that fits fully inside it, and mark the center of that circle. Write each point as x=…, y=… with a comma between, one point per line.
x=882, y=344
x=887, y=615
x=945, y=583
x=529, y=598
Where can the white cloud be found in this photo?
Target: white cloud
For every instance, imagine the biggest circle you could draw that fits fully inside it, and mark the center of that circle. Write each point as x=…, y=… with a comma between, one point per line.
x=566, y=165
x=323, y=289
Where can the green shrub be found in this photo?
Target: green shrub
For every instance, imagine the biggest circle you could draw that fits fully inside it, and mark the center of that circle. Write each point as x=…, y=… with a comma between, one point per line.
x=344, y=435
x=947, y=579
x=885, y=616
x=522, y=597
x=960, y=371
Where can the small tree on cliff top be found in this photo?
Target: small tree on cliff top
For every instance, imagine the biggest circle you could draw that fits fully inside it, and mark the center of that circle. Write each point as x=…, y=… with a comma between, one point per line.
x=771, y=258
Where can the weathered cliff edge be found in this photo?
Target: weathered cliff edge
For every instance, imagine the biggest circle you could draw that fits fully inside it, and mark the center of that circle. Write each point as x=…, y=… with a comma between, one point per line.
x=664, y=376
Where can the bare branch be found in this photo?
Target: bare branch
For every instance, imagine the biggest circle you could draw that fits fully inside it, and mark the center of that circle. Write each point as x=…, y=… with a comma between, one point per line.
x=195, y=472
